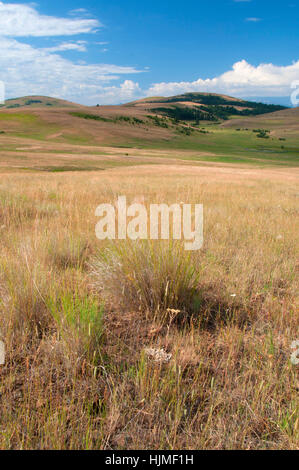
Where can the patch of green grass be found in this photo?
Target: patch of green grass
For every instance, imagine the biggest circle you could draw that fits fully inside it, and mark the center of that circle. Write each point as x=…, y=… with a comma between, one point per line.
x=79, y=319
x=61, y=169
x=115, y=120
x=229, y=146
x=105, y=165
x=19, y=117
x=76, y=139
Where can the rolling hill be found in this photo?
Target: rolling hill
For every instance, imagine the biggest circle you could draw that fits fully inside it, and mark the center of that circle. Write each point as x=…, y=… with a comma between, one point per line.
x=153, y=124
x=285, y=121
x=36, y=102
x=204, y=106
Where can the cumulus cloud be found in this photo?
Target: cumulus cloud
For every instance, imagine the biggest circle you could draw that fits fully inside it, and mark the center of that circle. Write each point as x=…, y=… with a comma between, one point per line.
x=31, y=71
x=243, y=79
x=126, y=91
x=19, y=20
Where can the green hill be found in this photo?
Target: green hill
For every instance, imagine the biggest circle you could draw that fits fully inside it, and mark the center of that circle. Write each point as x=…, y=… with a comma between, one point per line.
x=205, y=106
x=36, y=102
x=268, y=138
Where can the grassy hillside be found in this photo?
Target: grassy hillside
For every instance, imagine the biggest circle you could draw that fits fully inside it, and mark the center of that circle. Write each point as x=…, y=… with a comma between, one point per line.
x=285, y=122
x=36, y=102
x=204, y=106
x=268, y=139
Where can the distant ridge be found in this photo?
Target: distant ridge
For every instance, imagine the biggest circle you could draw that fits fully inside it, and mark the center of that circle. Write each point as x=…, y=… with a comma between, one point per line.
x=36, y=102
x=193, y=96
x=204, y=106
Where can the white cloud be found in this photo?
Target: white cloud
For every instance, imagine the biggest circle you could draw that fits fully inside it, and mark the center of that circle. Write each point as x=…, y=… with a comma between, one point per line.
x=19, y=20
x=127, y=91
x=26, y=70
x=78, y=11
x=67, y=46
x=243, y=80
x=29, y=70
x=253, y=19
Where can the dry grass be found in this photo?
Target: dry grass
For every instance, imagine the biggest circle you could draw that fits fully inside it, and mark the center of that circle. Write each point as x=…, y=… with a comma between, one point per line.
x=77, y=375
x=148, y=276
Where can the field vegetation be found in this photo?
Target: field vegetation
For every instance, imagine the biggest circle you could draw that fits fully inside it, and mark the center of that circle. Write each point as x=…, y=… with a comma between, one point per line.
x=142, y=345
x=79, y=316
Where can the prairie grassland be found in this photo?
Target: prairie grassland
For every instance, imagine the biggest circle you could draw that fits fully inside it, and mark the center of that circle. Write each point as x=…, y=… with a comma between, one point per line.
x=77, y=315
x=73, y=133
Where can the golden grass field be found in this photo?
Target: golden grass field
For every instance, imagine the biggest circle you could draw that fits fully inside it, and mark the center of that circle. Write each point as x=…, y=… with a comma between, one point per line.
x=77, y=315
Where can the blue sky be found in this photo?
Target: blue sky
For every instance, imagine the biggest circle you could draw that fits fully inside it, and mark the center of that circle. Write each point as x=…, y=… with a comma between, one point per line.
x=116, y=51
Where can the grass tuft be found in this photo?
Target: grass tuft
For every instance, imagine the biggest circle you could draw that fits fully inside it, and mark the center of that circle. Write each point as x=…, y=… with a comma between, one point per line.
x=149, y=276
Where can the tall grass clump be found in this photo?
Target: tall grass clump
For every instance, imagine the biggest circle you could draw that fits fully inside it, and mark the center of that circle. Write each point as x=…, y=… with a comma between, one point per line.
x=68, y=252
x=152, y=277
x=26, y=289
x=14, y=210
x=79, y=322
